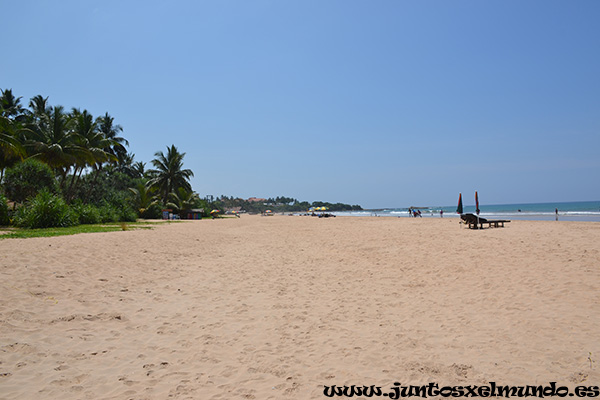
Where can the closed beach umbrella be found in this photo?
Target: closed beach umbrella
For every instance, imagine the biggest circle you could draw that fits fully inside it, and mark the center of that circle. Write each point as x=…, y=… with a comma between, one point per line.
x=459, y=209
x=476, y=203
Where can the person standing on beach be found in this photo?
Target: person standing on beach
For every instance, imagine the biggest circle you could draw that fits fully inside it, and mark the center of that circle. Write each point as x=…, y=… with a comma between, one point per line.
x=556, y=212
x=441, y=213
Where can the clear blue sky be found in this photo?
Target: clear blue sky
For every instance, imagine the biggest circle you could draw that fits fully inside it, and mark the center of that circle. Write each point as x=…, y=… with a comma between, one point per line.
x=378, y=103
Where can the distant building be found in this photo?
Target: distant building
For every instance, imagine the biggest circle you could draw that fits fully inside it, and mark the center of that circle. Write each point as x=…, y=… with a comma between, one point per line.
x=256, y=200
x=194, y=213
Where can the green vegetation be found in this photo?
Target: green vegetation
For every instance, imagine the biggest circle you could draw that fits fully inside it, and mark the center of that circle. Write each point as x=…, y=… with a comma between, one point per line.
x=26, y=179
x=280, y=204
x=45, y=210
x=61, y=168
x=67, y=170
x=15, y=233
x=4, y=219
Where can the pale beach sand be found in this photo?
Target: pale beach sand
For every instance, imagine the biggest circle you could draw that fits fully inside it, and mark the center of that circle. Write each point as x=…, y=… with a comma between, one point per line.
x=277, y=307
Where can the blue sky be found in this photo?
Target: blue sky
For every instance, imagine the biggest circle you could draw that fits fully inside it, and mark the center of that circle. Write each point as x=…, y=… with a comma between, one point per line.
x=377, y=103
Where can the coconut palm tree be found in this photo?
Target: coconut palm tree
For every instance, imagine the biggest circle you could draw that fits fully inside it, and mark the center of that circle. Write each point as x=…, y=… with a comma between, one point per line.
x=140, y=169
x=92, y=139
x=169, y=174
x=182, y=200
x=10, y=106
x=144, y=197
x=54, y=142
x=125, y=165
x=88, y=136
x=39, y=106
x=110, y=130
x=11, y=148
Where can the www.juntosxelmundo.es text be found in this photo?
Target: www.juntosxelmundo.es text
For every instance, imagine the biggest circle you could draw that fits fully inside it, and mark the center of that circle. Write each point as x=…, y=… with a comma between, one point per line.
x=433, y=389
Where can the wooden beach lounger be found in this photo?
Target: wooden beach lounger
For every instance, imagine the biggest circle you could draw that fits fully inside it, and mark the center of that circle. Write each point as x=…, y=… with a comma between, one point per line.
x=473, y=221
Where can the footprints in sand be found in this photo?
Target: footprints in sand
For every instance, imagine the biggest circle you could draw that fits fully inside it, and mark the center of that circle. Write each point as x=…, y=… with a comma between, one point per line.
x=72, y=381
x=150, y=368
x=88, y=317
x=22, y=348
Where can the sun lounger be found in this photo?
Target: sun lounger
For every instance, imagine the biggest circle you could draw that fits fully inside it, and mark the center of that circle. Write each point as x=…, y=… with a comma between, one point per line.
x=476, y=222
x=326, y=215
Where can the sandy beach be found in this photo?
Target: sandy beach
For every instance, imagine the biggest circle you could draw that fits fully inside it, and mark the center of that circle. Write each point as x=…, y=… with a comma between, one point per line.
x=278, y=307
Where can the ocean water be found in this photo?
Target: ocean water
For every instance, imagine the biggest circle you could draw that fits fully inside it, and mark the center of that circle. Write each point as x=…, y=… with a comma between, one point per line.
x=571, y=211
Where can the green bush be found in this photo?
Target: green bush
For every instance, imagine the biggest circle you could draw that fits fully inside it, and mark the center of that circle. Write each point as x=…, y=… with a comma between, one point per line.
x=108, y=213
x=121, y=205
x=152, y=212
x=4, y=219
x=26, y=179
x=86, y=213
x=45, y=210
x=127, y=215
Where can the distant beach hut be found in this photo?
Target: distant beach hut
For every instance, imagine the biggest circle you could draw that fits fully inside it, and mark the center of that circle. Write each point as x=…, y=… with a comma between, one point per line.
x=194, y=213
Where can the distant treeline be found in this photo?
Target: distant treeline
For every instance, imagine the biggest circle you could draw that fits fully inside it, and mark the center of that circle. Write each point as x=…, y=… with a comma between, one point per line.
x=280, y=204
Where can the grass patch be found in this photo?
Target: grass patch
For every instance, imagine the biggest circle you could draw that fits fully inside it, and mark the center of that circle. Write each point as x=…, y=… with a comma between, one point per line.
x=16, y=233
x=24, y=233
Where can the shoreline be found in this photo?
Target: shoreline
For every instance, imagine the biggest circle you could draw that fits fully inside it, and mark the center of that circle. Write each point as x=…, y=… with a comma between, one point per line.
x=516, y=217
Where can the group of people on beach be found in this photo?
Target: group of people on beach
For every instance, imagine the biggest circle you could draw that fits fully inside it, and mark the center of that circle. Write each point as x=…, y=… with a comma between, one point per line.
x=414, y=213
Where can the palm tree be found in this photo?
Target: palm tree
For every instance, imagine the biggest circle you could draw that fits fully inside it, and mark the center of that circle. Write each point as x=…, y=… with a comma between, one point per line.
x=13, y=130
x=140, y=169
x=94, y=142
x=54, y=142
x=38, y=117
x=111, y=131
x=92, y=139
x=182, y=200
x=144, y=197
x=10, y=106
x=126, y=166
x=11, y=149
x=169, y=174
x=39, y=106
